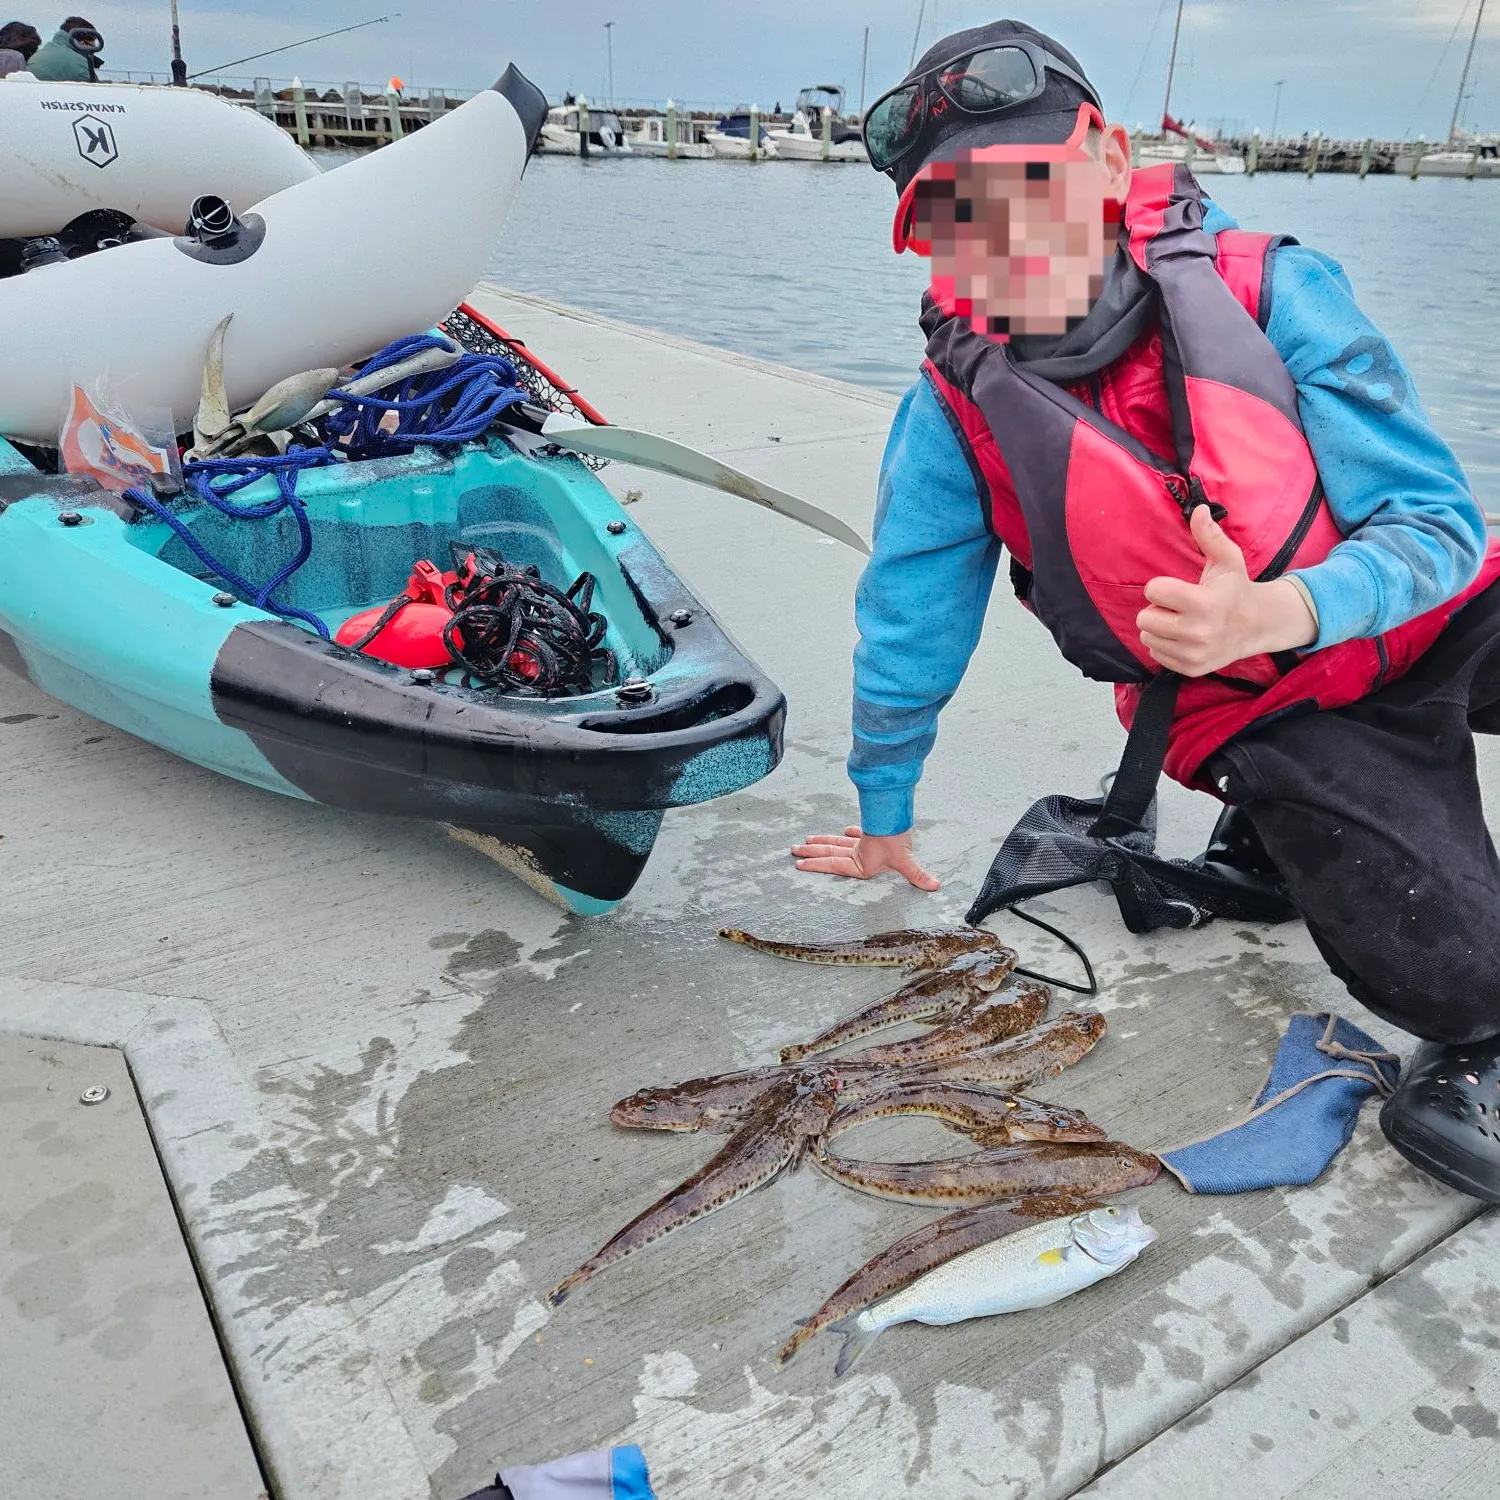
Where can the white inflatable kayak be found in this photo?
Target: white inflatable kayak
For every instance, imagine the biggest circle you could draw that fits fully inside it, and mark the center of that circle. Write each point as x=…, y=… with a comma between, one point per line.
x=322, y=273
x=149, y=151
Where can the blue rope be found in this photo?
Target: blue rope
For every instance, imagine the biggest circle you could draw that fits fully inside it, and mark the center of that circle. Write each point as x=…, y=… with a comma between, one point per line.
x=453, y=405
x=234, y=475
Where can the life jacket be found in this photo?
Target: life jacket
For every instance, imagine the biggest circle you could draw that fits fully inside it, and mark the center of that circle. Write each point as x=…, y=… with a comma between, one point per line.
x=1078, y=488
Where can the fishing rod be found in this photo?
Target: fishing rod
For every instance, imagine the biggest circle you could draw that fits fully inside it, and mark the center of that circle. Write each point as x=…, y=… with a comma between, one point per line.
x=322, y=36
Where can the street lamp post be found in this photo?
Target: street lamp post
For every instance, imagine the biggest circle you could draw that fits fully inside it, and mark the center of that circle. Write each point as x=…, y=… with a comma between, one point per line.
x=1276, y=113
x=609, y=38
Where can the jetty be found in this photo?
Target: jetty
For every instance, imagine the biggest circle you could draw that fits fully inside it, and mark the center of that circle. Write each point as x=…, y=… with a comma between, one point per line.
x=370, y=1075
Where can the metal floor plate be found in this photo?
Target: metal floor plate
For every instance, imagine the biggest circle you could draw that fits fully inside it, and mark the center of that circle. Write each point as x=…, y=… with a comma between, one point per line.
x=111, y=1380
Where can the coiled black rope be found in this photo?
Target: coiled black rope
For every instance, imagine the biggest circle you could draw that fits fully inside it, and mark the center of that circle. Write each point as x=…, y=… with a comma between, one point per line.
x=512, y=630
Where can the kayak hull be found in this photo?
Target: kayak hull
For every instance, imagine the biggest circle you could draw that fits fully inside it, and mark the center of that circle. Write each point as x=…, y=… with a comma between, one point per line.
x=568, y=793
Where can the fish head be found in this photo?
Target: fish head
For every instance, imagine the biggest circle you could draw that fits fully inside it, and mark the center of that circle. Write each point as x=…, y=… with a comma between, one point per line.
x=1078, y=1032
x=1033, y=1120
x=1112, y=1235
x=985, y=969
x=661, y=1109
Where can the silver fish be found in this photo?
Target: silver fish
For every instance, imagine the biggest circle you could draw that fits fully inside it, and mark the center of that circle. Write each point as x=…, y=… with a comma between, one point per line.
x=1032, y=1268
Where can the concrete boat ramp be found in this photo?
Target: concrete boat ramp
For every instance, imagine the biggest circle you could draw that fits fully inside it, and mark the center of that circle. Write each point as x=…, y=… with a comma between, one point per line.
x=376, y=1072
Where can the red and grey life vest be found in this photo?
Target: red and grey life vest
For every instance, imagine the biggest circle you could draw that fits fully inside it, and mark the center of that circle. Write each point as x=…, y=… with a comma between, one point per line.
x=1079, y=490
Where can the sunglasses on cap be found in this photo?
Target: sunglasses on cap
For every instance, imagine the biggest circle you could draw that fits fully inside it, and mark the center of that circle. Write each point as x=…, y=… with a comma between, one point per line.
x=980, y=83
x=904, y=234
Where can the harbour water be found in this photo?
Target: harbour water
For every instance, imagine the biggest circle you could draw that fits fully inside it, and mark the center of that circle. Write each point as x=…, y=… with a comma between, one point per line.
x=793, y=263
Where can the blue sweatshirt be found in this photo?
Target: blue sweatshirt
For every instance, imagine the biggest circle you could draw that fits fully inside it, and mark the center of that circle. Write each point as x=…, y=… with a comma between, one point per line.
x=1414, y=534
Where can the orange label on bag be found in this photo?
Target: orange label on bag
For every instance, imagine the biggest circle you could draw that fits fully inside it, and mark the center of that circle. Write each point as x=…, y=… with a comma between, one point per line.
x=106, y=446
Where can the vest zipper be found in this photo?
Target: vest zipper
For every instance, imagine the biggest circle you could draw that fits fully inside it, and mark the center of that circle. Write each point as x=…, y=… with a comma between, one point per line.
x=1188, y=494
x=1288, y=549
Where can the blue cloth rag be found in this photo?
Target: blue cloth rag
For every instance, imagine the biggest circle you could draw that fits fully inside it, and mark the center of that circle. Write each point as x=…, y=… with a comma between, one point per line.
x=1324, y=1069
x=607, y=1474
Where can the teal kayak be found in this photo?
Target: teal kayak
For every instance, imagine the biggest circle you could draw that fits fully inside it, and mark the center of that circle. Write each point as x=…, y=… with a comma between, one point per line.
x=104, y=606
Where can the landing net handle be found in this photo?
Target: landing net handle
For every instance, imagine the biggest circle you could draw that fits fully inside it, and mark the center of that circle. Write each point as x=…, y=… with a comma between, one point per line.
x=557, y=393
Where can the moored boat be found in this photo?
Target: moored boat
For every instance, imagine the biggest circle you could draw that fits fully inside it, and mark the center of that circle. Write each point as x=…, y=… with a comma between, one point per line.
x=819, y=108
x=731, y=137
x=564, y=133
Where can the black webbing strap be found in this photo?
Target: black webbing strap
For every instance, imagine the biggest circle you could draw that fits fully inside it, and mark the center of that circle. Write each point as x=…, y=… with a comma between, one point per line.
x=1134, y=785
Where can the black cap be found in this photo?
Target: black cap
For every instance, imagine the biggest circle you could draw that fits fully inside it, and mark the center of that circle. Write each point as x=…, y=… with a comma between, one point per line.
x=1045, y=120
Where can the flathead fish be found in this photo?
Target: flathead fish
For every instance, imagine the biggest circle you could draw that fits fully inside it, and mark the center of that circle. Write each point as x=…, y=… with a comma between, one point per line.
x=792, y=1113
x=991, y=1117
x=724, y=1101
x=939, y=996
x=1097, y=1168
x=926, y=1249
x=1034, y=1267
x=986, y=1019
x=912, y=948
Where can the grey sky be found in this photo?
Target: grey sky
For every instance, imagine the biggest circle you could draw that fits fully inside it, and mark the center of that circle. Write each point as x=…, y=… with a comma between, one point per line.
x=1351, y=67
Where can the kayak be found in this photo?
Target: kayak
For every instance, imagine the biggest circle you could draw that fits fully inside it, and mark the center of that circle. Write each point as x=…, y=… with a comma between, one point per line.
x=145, y=150
x=318, y=274
x=105, y=607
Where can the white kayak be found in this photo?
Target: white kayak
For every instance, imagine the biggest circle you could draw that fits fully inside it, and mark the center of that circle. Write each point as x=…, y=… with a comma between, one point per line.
x=147, y=150
x=322, y=273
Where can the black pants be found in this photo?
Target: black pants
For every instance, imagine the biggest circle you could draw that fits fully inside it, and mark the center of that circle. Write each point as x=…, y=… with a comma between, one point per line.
x=1372, y=814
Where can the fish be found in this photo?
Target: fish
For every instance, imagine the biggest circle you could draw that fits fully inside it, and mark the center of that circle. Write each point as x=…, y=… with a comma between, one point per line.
x=926, y=1249
x=1034, y=1267
x=992, y=1117
x=722, y=1102
x=776, y=1137
x=988, y=1018
x=938, y=996
x=1094, y=1167
x=725, y=1100
x=911, y=948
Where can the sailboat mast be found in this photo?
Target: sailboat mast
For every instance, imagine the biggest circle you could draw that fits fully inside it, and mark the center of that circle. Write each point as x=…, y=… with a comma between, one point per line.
x=917, y=37
x=1166, y=104
x=1463, y=81
x=864, y=66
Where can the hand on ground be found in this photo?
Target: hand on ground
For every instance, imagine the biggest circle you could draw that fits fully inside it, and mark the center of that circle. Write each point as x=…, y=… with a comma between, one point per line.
x=859, y=856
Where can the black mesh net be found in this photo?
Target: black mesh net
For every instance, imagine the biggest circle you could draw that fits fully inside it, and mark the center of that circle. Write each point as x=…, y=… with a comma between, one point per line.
x=1067, y=841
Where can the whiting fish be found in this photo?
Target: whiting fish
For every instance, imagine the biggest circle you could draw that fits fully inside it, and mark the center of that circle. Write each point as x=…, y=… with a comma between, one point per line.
x=1033, y=1267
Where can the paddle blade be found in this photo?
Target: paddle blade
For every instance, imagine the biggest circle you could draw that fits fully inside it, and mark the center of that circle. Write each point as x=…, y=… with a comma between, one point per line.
x=646, y=450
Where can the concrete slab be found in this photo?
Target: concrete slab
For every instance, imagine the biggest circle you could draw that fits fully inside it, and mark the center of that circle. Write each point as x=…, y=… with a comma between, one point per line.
x=1399, y=1396
x=111, y=1379
x=433, y=1050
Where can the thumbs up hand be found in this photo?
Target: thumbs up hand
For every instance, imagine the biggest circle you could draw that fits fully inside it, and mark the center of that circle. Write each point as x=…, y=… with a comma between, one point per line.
x=1198, y=628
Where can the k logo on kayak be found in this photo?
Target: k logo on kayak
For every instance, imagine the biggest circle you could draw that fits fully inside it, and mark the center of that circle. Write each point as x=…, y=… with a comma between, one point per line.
x=96, y=140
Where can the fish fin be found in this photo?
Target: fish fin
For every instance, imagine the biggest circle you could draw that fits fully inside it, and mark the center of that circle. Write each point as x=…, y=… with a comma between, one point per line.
x=856, y=1341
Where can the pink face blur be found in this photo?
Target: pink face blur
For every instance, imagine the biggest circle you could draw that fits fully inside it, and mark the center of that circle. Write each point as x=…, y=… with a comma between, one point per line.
x=1019, y=247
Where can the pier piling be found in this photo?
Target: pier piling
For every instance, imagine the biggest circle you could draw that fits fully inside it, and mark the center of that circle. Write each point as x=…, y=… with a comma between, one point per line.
x=1252, y=155
x=583, y=126
x=299, y=113
x=1367, y=151
x=671, y=130
x=1314, y=147
x=827, y=133
x=755, y=132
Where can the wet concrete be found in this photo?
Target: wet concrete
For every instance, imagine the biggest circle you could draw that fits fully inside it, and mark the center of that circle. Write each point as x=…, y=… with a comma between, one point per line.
x=430, y=1052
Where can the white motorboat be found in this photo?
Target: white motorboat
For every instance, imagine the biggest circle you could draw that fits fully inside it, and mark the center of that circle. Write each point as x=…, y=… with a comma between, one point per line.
x=319, y=274
x=561, y=135
x=650, y=138
x=803, y=140
x=143, y=150
x=730, y=138
x=1482, y=159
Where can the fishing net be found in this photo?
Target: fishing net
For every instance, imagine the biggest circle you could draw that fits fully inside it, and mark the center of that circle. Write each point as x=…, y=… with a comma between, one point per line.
x=1065, y=841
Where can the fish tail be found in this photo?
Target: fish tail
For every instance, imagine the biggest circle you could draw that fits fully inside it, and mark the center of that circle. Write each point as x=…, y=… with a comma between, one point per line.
x=856, y=1341
x=560, y=1293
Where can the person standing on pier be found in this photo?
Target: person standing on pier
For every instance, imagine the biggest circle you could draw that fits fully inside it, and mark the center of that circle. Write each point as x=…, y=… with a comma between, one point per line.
x=1203, y=457
x=72, y=56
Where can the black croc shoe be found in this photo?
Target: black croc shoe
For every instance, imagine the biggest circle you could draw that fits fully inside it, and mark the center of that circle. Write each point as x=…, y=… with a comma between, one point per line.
x=1445, y=1116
